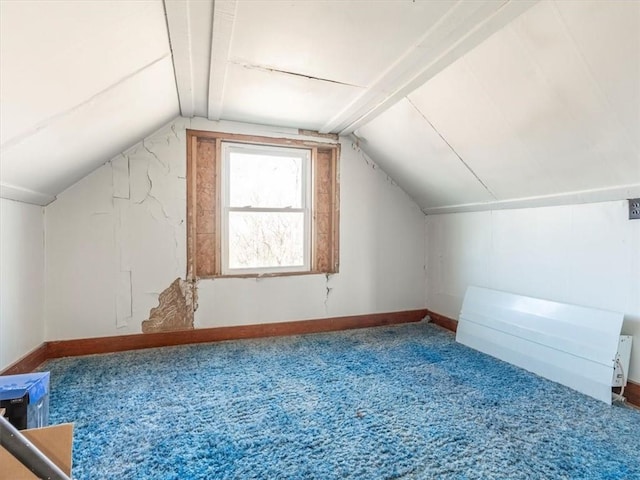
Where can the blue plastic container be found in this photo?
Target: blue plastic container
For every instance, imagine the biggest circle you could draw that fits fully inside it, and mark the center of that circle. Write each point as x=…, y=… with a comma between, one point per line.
x=26, y=399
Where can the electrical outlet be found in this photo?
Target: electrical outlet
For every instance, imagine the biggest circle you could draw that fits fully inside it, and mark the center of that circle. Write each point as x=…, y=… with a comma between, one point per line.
x=634, y=208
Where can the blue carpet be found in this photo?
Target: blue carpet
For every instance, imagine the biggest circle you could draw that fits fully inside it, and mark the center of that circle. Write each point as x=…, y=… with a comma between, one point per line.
x=403, y=402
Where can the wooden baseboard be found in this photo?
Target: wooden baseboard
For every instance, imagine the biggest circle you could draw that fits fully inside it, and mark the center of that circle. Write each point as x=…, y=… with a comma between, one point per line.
x=88, y=346
x=444, y=322
x=29, y=362
x=632, y=393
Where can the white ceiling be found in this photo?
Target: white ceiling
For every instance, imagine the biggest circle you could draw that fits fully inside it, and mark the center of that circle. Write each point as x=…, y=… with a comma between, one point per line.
x=79, y=82
x=545, y=111
x=467, y=104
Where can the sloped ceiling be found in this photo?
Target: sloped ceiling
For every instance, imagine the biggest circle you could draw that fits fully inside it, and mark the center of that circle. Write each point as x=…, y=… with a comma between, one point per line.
x=79, y=82
x=466, y=104
x=545, y=111
x=320, y=65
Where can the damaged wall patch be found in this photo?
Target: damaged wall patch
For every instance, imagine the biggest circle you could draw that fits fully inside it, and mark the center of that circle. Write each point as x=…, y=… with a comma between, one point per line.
x=174, y=311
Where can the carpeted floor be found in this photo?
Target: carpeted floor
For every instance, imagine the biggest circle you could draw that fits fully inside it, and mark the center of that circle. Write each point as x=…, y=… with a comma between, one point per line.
x=403, y=402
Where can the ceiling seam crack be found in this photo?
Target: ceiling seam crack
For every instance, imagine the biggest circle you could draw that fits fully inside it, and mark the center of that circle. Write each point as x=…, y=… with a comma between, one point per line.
x=264, y=68
x=452, y=149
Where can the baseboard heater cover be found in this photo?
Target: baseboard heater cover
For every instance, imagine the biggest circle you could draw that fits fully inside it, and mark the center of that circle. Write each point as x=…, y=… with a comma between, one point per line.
x=569, y=344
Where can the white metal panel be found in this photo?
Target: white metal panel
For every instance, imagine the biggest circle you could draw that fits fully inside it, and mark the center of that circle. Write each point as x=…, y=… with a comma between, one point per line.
x=569, y=344
x=540, y=359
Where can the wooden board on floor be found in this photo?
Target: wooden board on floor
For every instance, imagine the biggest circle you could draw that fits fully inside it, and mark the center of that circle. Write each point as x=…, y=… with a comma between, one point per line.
x=54, y=441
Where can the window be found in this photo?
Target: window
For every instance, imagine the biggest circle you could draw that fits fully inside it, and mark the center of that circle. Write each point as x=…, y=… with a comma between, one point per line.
x=266, y=209
x=260, y=206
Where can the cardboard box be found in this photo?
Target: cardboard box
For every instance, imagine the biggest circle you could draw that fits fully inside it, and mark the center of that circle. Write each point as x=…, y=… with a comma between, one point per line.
x=55, y=442
x=26, y=399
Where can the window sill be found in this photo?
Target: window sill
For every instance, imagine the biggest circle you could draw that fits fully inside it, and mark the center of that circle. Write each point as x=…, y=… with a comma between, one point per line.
x=264, y=275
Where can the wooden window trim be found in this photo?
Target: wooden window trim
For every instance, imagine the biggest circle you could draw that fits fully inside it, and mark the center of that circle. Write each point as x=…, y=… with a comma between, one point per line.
x=204, y=161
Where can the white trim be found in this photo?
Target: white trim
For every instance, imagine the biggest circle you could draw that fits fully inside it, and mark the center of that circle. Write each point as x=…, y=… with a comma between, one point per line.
x=179, y=26
x=598, y=195
x=304, y=154
x=266, y=209
x=224, y=14
x=277, y=132
x=24, y=195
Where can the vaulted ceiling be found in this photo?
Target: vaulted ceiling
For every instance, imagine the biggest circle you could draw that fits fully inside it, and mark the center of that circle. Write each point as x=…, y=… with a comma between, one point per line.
x=467, y=104
x=79, y=82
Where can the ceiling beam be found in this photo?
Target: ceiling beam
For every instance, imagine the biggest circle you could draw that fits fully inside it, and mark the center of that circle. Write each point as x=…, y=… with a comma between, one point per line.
x=179, y=27
x=462, y=28
x=224, y=15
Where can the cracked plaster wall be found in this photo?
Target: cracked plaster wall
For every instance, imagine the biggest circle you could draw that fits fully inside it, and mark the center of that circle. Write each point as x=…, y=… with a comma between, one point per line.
x=117, y=238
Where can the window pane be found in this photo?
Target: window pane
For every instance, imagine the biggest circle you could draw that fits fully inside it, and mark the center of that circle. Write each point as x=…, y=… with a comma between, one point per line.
x=265, y=181
x=261, y=240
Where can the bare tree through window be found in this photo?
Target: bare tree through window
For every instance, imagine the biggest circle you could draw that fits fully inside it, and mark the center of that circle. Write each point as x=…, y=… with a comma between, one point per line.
x=267, y=209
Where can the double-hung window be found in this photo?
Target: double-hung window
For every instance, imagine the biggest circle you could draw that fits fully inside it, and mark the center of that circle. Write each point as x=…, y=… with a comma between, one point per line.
x=261, y=206
x=266, y=209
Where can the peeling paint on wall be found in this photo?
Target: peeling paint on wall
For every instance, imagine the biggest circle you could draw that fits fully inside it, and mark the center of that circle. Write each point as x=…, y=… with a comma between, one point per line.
x=355, y=145
x=146, y=189
x=328, y=290
x=137, y=243
x=175, y=309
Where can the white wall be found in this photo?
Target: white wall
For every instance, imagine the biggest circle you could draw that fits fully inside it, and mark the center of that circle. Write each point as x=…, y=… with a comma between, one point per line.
x=117, y=238
x=21, y=279
x=582, y=254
